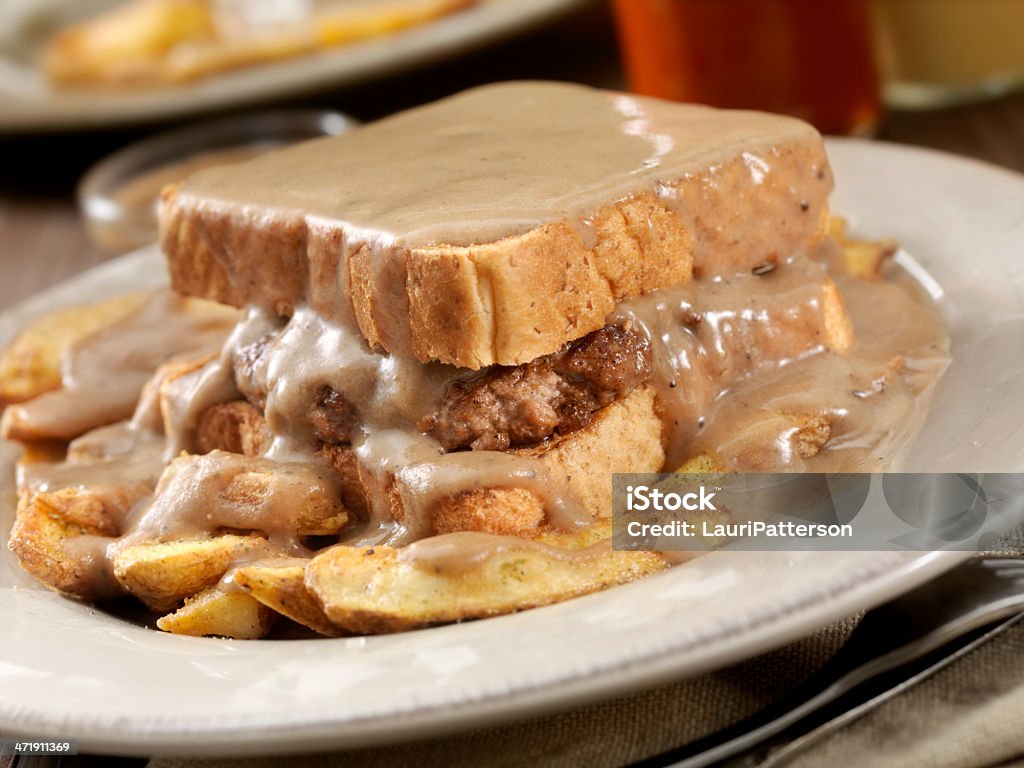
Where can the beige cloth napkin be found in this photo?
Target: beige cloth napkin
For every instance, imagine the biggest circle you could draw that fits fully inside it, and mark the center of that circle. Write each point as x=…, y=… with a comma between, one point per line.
x=970, y=715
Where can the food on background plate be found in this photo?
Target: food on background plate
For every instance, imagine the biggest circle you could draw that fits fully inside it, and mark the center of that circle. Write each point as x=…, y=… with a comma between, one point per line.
x=165, y=42
x=453, y=326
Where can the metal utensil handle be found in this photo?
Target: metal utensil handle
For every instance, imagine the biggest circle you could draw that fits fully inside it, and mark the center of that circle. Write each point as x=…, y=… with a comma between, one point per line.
x=962, y=601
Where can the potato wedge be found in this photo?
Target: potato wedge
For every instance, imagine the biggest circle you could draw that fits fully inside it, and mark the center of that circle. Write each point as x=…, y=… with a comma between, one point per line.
x=91, y=511
x=105, y=372
x=152, y=409
x=758, y=447
x=31, y=364
x=128, y=44
x=806, y=434
x=702, y=463
x=162, y=574
x=284, y=501
x=863, y=259
x=171, y=41
x=283, y=588
x=51, y=547
x=379, y=589
x=220, y=612
x=353, y=23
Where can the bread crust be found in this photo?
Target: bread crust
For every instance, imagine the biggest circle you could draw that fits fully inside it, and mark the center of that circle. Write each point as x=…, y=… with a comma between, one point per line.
x=512, y=300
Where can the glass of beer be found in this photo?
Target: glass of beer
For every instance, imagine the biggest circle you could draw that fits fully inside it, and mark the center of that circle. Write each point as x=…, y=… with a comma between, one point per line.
x=813, y=59
x=939, y=52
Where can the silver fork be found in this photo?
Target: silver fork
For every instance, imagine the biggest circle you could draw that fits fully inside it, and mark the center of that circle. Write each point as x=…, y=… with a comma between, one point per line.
x=961, y=605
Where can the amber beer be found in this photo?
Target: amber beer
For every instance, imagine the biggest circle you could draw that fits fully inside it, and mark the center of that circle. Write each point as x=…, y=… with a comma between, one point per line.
x=937, y=52
x=808, y=58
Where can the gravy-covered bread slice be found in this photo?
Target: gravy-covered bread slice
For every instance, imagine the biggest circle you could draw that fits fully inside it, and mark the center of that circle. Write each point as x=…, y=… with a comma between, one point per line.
x=576, y=200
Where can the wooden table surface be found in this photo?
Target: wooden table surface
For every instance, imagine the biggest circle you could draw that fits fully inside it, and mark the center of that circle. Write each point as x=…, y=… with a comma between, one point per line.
x=42, y=240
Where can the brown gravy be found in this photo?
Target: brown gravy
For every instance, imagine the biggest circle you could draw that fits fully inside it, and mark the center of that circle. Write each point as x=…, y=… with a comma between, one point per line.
x=709, y=335
x=743, y=354
x=874, y=395
x=104, y=373
x=219, y=492
x=455, y=554
x=467, y=169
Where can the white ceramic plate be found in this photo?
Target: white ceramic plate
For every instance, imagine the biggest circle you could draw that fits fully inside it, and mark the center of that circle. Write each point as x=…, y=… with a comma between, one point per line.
x=30, y=103
x=67, y=670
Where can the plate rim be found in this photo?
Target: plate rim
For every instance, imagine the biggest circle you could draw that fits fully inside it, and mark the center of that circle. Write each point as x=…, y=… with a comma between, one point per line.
x=183, y=737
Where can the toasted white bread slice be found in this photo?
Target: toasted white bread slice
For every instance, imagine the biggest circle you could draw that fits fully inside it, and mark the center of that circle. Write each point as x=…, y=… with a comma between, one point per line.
x=729, y=191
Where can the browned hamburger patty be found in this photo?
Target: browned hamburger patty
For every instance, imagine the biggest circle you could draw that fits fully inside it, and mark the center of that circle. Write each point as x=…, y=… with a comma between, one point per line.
x=502, y=407
x=247, y=363
x=332, y=416
x=508, y=406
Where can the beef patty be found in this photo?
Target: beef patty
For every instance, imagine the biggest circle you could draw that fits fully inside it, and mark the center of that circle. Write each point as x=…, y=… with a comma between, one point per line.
x=500, y=407
x=508, y=406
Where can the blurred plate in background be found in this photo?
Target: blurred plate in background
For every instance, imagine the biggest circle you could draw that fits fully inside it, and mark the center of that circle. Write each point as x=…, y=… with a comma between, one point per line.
x=30, y=103
x=119, y=196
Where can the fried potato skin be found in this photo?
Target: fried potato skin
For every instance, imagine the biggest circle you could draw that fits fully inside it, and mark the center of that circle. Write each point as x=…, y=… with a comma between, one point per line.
x=863, y=259
x=808, y=433
x=127, y=45
x=235, y=482
x=702, y=463
x=162, y=42
x=39, y=537
x=89, y=511
x=31, y=363
x=373, y=590
x=347, y=26
x=163, y=574
x=283, y=589
x=217, y=612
